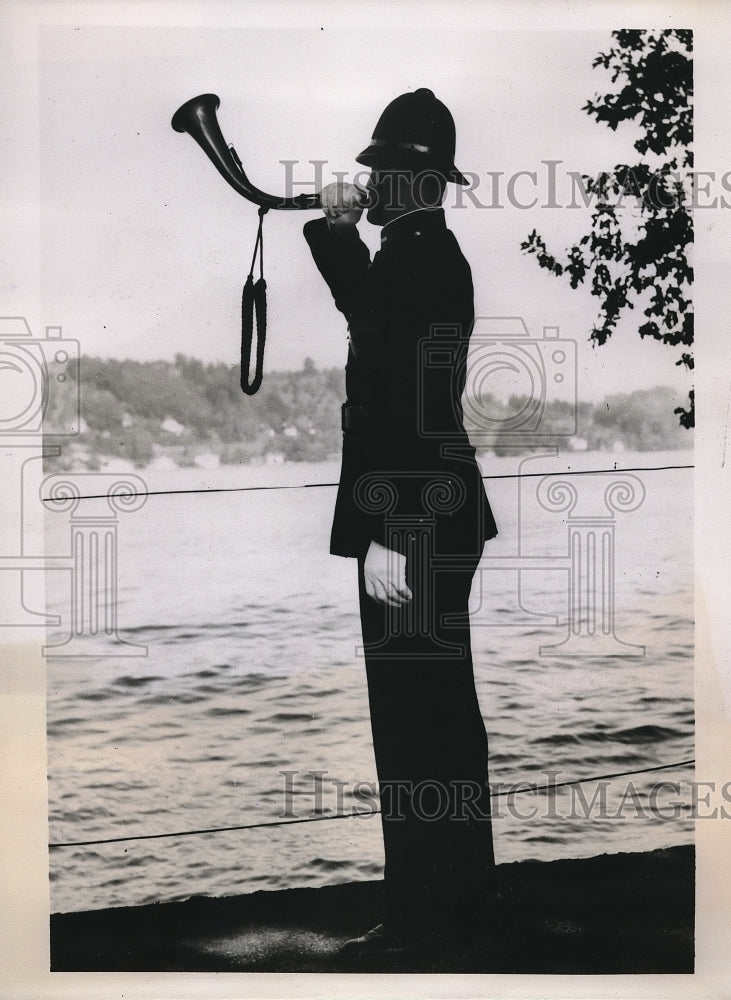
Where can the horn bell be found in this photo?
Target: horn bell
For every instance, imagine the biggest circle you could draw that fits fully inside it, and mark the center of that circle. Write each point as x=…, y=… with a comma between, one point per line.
x=198, y=118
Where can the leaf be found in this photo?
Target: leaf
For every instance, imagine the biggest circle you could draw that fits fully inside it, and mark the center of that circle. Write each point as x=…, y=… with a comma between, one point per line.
x=652, y=73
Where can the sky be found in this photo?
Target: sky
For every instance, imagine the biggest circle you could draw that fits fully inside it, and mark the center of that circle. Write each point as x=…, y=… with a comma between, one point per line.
x=144, y=247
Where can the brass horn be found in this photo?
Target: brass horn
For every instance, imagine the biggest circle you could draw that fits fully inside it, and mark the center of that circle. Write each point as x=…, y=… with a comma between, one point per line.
x=198, y=117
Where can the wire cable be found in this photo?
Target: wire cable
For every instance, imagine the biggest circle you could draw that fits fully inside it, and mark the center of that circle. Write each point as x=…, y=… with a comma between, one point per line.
x=365, y=812
x=313, y=486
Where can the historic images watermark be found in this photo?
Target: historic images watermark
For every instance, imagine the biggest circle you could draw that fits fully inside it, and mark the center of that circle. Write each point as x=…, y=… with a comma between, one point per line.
x=308, y=794
x=550, y=184
x=38, y=379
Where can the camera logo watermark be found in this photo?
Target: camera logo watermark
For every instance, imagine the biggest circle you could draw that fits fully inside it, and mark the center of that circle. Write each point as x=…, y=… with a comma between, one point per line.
x=470, y=367
x=34, y=370
x=39, y=376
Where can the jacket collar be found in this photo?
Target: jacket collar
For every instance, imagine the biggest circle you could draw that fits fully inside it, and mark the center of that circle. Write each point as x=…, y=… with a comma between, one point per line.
x=420, y=222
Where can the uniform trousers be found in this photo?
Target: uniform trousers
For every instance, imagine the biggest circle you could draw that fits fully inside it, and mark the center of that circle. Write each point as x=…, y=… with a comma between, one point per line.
x=430, y=747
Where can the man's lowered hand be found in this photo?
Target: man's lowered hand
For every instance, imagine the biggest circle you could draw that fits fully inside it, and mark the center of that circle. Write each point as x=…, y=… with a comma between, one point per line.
x=384, y=571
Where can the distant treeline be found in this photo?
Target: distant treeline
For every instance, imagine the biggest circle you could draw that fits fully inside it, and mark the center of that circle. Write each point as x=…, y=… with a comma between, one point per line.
x=185, y=409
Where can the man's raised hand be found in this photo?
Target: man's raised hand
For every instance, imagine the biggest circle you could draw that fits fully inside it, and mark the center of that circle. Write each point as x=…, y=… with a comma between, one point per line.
x=342, y=205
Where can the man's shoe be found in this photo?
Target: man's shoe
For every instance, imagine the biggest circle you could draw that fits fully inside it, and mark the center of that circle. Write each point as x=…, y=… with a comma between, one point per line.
x=379, y=940
x=385, y=939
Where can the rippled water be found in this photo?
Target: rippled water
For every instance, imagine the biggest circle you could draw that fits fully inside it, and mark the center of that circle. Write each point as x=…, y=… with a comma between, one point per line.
x=252, y=670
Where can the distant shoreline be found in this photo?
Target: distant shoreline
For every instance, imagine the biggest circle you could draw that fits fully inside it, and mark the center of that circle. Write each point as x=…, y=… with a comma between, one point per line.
x=164, y=415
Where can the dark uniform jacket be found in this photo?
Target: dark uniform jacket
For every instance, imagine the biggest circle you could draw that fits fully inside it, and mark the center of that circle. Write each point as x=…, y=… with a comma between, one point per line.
x=406, y=455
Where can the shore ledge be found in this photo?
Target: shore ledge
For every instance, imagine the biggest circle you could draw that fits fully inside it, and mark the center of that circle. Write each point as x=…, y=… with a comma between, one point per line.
x=616, y=913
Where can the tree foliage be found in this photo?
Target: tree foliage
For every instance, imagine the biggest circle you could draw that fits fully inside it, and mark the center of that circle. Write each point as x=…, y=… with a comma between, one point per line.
x=638, y=247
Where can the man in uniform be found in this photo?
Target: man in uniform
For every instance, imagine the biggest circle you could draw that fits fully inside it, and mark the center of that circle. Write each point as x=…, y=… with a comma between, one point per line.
x=411, y=508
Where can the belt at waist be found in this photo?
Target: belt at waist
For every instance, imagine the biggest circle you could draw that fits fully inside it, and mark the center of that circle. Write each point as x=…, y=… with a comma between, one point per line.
x=353, y=418
x=355, y=423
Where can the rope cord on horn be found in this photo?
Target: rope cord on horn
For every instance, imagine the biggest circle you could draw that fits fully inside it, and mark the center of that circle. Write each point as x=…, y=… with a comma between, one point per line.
x=254, y=300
